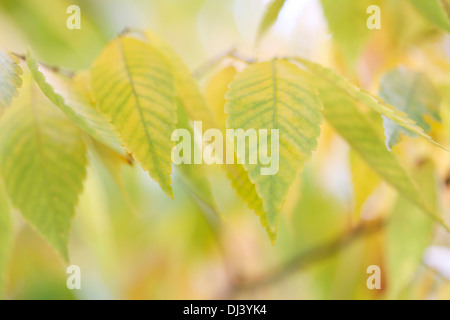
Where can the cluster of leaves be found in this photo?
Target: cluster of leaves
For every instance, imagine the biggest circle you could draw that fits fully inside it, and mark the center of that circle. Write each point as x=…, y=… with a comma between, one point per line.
x=138, y=91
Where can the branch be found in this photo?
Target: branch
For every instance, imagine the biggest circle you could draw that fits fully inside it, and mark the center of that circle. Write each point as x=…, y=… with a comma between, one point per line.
x=210, y=64
x=62, y=71
x=309, y=257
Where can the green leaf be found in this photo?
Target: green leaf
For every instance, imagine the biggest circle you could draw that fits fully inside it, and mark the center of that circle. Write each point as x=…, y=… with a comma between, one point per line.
x=408, y=234
x=434, y=11
x=133, y=86
x=10, y=79
x=42, y=161
x=347, y=22
x=5, y=238
x=187, y=89
x=358, y=95
x=276, y=95
x=411, y=92
x=365, y=136
x=270, y=17
x=72, y=97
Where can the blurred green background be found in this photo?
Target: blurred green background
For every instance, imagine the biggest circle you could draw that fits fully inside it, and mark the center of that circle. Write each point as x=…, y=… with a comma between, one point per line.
x=133, y=242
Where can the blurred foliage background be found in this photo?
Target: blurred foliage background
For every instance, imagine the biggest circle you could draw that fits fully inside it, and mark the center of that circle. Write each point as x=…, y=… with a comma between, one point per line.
x=132, y=242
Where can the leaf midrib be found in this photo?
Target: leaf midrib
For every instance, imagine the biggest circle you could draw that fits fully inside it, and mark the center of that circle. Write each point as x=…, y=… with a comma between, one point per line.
x=139, y=109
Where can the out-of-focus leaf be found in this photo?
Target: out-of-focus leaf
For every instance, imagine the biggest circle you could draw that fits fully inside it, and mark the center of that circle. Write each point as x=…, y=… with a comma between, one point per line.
x=133, y=87
x=347, y=21
x=5, y=238
x=364, y=180
x=44, y=28
x=276, y=95
x=187, y=89
x=366, y=138
x=408, y=234
x=194, y=176
x=10, y=79
x=215, y=91
x=42, y=161
x=434, y=11
x=410, y=92
x=445, y=114
x=246, y=190
x=72, y=97
x=316, y=207
x=270, y=17
x=112, y=159
x=359, y=96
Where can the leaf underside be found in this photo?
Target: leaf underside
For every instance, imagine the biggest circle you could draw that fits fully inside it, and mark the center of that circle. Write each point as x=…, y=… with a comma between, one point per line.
x=365, y=136
x=410, y=92
x=72, y=97
x=363, y=98
x=10, y=78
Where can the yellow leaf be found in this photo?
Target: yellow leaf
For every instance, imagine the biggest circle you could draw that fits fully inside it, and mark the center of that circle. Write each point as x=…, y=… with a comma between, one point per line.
x=365, y=180
x=186, y=87
x=133, y=86
x=215, y=91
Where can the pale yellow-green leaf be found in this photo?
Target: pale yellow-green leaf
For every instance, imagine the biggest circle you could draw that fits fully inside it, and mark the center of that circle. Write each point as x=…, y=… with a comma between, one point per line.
x=133, y=86
x=112, y=159
x=114, y=162
x=5, y=238
x=408, y=234
x=364, y=181
x=347, y=24
x=187, y=89
x=10, y=78
x=194, y=176
x=445, y=112
x=72, y=96
x=215, y=92
x=434, y=11
x=270, y=17
x=366, y=137
x=42, y=162
x=364, y=98
x=413, y=93
x=276, y=95
x=246, y=190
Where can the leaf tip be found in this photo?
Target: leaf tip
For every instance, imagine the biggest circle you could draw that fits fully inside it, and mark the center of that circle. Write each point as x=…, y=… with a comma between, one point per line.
x=272, y=232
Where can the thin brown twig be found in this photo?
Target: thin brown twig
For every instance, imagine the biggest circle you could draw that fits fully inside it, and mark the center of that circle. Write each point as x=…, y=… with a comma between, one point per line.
x=62, y=71
x=305, y=259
